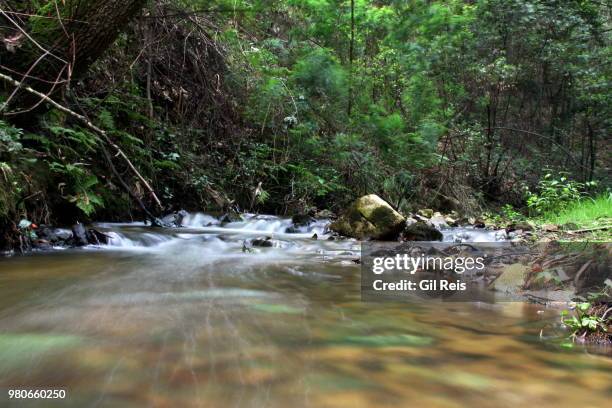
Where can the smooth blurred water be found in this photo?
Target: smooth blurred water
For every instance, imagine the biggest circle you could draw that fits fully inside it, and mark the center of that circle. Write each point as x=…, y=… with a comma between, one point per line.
x=189, y=318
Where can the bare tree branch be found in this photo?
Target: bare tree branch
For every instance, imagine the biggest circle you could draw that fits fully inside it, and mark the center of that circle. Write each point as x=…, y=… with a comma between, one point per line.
x=29, y=37
x=89, y=125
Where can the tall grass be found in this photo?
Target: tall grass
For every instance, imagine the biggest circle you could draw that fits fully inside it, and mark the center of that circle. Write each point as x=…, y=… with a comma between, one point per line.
x=587, y=212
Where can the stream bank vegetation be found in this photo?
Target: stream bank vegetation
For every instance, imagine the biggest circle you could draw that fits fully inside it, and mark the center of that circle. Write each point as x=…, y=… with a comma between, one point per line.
x=129, y=110
x=579, y=271
x=590, y=318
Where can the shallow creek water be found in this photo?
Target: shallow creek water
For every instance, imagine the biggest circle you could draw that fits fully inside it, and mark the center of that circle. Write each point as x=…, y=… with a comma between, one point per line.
x=185, y=318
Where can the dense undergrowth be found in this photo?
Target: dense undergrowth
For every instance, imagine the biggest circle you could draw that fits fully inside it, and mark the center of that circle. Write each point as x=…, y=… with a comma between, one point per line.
x=283, y=106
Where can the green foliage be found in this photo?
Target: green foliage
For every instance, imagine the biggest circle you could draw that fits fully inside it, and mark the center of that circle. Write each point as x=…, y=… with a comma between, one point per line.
x=10, y=147
x=581, y=322
x=555, y=194
x=80, y=183
x=10, y=138
x=508, y=212
x=585, y=213
x=421, y=73
x=321, y=76
x=78, y=136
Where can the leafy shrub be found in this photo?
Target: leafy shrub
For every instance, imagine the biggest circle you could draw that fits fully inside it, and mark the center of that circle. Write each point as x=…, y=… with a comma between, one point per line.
x=10, y=145
x=581, y=322
x=81, y=185
x=320, y=75
x=509, y=213
x=555, y=194
x=9, y=138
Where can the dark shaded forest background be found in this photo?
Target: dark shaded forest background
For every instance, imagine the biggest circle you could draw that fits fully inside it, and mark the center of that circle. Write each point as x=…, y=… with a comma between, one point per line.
x=285, y=106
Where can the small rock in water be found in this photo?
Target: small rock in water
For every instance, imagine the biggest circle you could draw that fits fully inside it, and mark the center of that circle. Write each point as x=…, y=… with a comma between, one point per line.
x=97, y=238
x=438, y=221
x=461, y=237
x=324, y=214
x=231, y=217
x=302, y=220
x=453, y=222
x=62, y=234
x=421, y=232
x=525, y=226
x=58, y=236
x=79, y=234
x=263, y=242
x=476, y=222
x=174, y=219
x=501, y=235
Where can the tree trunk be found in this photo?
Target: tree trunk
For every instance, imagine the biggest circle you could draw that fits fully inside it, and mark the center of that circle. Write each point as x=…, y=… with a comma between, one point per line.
x=351, y=56
x=61, y=39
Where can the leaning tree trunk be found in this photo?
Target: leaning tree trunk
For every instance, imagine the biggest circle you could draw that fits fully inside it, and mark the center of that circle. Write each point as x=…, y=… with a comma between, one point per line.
x=57, y=42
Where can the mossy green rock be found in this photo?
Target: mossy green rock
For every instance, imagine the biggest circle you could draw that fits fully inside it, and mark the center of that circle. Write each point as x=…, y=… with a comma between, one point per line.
x=369, y=217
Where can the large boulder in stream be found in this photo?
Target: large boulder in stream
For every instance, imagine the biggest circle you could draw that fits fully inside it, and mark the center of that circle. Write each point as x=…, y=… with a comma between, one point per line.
x=370, y=217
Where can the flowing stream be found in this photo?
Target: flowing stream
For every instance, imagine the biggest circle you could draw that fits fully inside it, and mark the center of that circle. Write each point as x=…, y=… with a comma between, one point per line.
x=195, y=317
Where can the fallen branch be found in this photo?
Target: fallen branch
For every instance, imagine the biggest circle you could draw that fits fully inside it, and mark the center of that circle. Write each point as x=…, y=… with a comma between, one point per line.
x=89, y=125
x=580, y=231
x=107, y=156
